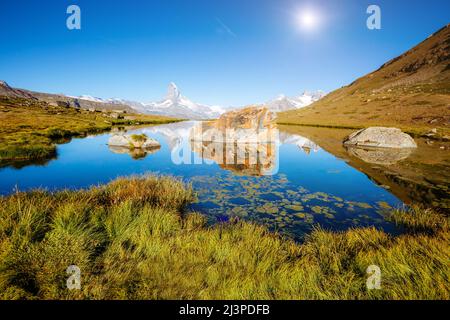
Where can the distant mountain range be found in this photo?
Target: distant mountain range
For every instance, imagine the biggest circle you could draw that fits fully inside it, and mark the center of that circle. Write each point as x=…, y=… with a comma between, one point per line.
x=173, y=105
x=176, y=105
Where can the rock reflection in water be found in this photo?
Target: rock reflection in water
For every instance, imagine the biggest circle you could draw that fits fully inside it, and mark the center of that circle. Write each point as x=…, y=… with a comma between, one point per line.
x=244, y=141
x=136, y=153
x=252, y=152
x=253, y=159
x=382, y=156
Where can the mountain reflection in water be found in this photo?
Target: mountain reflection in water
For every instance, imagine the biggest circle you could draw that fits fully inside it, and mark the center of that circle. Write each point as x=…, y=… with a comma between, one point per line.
x=252, y=151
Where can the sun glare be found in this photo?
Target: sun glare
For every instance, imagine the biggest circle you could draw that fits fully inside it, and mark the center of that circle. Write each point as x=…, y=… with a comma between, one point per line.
x=308, y=20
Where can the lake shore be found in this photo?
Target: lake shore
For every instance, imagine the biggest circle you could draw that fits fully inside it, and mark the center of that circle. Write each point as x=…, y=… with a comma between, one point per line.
x=133, y=239
x=31, y=129
x=423, y=132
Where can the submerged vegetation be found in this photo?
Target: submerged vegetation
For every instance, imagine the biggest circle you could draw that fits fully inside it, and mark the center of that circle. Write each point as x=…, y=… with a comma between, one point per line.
x=132, y=239
x=282, y=204
x=30, y=128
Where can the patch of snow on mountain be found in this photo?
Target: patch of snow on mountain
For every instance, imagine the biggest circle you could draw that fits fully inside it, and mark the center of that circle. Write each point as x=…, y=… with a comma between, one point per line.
x=284, y=103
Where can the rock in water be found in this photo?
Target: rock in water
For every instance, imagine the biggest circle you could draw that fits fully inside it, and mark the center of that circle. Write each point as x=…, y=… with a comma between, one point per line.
x=380, y=137
x=119, y=140
x=244, y=141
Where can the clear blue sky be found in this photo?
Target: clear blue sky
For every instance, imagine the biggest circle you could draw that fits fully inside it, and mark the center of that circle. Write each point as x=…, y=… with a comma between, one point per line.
x=218, y=52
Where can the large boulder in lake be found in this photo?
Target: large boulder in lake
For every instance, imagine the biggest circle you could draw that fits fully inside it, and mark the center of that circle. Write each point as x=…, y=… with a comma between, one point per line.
x=248, y=125
x=133, y=141
x=244, y=141
x=380, y=137
x=247, y=118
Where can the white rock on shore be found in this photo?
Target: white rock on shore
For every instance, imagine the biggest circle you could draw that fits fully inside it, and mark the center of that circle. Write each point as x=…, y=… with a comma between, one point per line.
x=380, y=137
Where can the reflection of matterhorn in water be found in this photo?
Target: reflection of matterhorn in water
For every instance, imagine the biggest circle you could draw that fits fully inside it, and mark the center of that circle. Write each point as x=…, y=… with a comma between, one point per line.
x=244, y=141
x=303, y=143
x=173, y=133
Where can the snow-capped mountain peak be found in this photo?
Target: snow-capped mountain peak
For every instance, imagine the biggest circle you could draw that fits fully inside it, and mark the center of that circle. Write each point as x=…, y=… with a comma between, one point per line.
x=177, y=105
x=284, y=103
x=90, y=98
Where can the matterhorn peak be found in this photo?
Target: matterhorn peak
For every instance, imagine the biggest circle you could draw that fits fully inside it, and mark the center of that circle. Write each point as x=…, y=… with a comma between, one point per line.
x=173, y=93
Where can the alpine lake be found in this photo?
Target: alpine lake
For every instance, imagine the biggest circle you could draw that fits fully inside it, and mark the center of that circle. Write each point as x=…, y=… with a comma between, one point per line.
x=305, y=179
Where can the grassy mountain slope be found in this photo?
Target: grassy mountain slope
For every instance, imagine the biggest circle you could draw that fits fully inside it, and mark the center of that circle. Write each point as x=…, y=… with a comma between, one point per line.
x=411, y=91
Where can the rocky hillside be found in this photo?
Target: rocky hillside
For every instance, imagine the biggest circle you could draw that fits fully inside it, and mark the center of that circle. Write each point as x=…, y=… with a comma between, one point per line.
x=6, y=90
x=59, y=99
x=411, y=91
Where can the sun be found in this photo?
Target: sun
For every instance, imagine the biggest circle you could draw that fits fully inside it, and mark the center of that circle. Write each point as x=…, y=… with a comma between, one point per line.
x=308, y=19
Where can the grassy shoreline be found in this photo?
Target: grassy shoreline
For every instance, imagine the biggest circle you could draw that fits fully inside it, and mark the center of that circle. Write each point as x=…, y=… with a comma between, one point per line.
x=133, y=239
x=319, y=125
x=414, y=132
x=31, y=129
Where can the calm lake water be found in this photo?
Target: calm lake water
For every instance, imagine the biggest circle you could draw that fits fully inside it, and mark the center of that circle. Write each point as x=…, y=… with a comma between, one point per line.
x=305, y=185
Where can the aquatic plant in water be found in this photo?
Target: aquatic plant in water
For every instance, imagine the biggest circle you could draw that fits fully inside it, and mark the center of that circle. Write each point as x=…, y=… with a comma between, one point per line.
x=281, y=204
